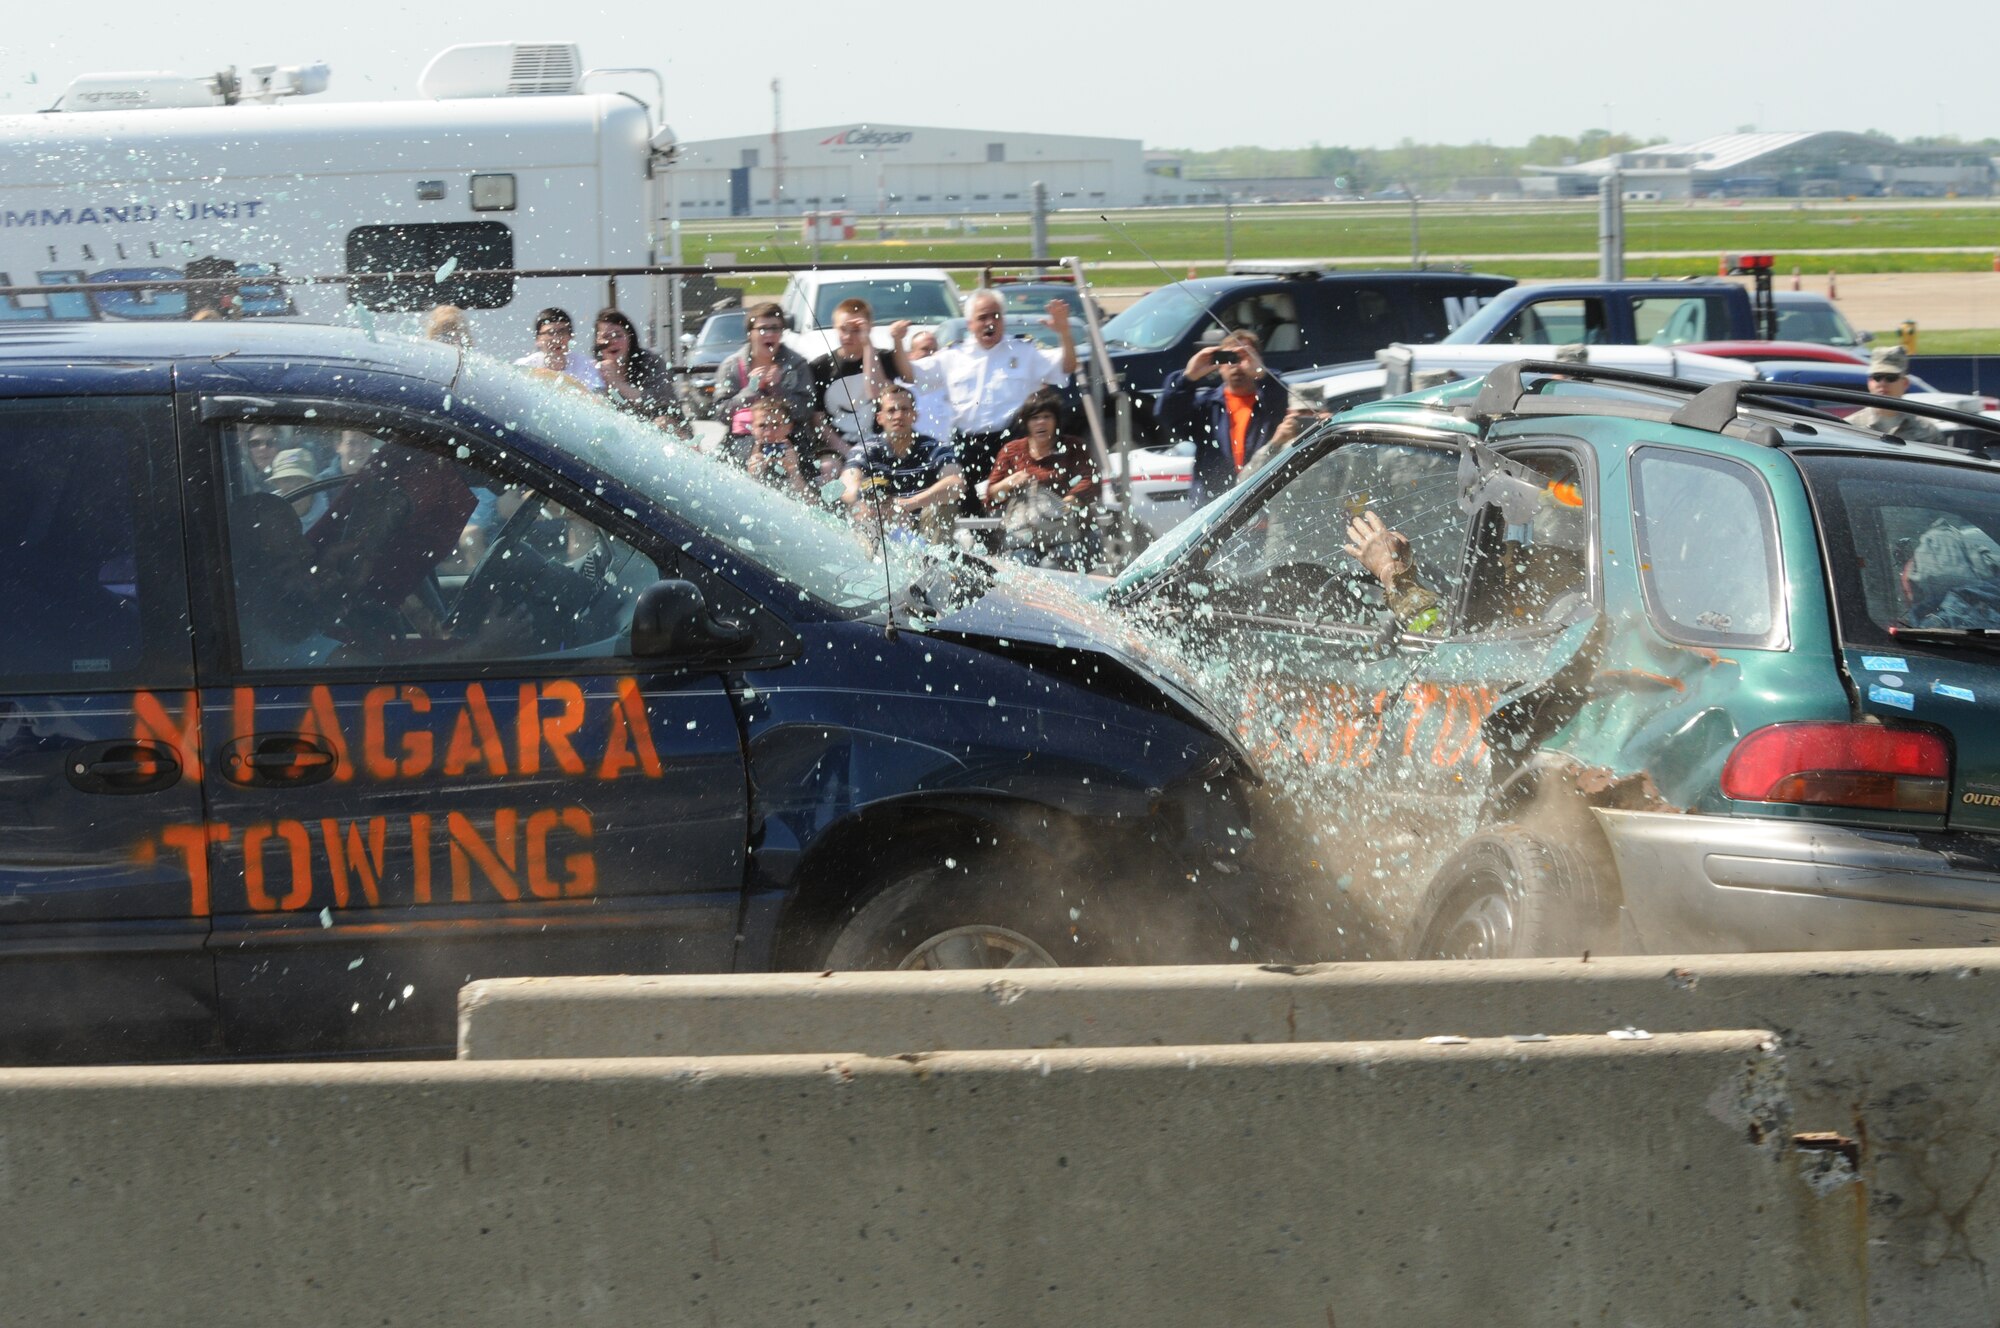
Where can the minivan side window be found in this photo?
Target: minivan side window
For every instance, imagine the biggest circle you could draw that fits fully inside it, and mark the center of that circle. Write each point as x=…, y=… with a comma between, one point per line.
x=354, y=547
x=1707, y=542
x=1675, y=320
x=1555, y=322
x=92, y=587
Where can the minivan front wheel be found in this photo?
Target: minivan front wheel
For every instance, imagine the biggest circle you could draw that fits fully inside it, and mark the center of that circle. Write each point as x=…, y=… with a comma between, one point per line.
x=938, y=917
x=1508, y=893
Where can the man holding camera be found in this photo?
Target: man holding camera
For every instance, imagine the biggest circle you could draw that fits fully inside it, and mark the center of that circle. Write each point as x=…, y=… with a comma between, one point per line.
x=1228, y=405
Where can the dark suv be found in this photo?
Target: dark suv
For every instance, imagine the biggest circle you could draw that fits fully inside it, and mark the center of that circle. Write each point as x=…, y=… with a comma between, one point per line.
x=1303, y=318
x=338, y=672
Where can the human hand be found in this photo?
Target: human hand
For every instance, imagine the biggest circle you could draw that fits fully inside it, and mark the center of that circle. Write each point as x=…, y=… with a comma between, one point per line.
x=1384, y=552
x=1201, y=364
x=1058, y=317
x=898, y=330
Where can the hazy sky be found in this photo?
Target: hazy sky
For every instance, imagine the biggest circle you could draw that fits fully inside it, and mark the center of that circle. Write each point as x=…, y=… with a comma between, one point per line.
x=1173, y=74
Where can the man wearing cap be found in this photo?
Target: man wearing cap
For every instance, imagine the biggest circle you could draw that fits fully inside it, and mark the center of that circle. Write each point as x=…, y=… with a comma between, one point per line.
x=1889, y=376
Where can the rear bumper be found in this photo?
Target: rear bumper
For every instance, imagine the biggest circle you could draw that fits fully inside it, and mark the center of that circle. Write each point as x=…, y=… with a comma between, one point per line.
x=1720, y=883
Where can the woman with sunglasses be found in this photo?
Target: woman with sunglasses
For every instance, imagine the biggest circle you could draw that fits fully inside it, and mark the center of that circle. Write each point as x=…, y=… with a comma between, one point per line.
x=764, y=367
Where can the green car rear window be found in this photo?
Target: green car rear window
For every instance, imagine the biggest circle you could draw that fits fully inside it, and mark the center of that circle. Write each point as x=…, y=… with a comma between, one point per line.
x=1708, y=549
x=1910, y=543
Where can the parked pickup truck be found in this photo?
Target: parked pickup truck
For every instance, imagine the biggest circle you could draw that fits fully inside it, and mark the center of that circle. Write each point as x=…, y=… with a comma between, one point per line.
x=1613, y=313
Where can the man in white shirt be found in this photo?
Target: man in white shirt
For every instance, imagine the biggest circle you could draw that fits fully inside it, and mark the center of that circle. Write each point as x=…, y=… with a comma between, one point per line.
x=554, y=330
x=988, y=379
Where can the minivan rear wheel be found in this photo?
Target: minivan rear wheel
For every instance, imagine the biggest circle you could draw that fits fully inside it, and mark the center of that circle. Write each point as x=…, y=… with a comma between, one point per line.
x=1508, y=893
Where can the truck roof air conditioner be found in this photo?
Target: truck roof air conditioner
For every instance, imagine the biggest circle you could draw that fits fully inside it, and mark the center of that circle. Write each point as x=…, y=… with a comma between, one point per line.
x=504, y=69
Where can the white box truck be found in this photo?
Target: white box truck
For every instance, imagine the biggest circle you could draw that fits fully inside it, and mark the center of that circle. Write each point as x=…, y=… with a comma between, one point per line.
x=505, y=162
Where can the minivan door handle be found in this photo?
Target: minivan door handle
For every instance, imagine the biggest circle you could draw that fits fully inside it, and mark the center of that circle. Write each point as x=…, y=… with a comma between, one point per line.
x=266, y=760
x=123, y=765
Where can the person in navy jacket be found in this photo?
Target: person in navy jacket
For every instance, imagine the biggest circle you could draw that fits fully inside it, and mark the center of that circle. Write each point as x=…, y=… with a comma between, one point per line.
x=1228, y=404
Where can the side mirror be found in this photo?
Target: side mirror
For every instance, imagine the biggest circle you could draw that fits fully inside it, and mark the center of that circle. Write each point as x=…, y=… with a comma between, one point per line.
x=687, y=341
x=671, y=621
x=1210, y=336
x=1864, y=338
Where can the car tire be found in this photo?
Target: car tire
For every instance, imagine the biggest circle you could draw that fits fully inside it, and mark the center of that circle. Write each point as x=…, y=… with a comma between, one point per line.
x=1509, y=893
x=979, y=914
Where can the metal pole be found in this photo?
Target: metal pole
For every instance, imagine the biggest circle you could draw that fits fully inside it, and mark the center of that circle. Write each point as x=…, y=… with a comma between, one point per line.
x=1611, y=228
x=1038, y=220
x=1104, y=379
x=1228, y=233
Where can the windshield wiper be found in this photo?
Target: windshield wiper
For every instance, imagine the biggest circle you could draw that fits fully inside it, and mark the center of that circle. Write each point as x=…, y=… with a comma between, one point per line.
x=1982, y=638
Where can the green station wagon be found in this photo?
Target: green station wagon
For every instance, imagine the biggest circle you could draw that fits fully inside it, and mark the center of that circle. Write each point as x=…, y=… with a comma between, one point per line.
x=1664, y=668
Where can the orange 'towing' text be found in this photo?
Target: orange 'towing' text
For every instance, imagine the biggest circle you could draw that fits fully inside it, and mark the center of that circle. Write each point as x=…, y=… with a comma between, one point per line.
x=369, y=862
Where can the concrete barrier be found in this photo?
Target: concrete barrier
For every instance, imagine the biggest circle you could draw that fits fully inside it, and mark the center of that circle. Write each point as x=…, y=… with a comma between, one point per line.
x=1576, y=1180
x=1897, y=1053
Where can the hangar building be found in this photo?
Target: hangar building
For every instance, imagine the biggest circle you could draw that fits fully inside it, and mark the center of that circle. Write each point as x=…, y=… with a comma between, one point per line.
x=890, y=169
x=1781, y=165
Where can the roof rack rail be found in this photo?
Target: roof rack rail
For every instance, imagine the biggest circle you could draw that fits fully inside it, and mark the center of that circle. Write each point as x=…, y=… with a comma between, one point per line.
x=1501, y=393
x=1714, y=408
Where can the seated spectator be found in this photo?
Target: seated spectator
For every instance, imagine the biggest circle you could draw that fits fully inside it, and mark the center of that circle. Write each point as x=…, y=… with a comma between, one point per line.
x=906, y=478
x=635, y=379
x=447, y=323
x=1044, y=484
x=261, y=445
x=774, y=456
x=765, y=367
x=291, y=471
x=351, y=450
x=553, y=353
x=1227, y=404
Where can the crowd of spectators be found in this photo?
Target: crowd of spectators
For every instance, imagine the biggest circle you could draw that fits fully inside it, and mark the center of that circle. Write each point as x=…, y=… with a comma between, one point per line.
x=912, y=434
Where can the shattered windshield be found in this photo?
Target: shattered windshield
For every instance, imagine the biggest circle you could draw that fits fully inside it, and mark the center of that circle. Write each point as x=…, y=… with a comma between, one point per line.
x=824, y=555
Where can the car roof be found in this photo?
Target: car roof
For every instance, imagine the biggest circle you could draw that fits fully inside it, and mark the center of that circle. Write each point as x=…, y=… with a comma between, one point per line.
x=1218, y=285
x=1542, y=288
x=1775, y=350
x=29, y=350
x=1793, y=431
x=1800, y=297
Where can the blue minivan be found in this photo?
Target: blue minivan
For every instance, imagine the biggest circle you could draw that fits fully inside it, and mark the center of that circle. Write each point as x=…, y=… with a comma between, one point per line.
x=340, y=671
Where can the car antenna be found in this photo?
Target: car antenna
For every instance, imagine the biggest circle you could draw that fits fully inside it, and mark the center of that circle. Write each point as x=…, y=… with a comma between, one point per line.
x=1199, y=304
x=881, y=535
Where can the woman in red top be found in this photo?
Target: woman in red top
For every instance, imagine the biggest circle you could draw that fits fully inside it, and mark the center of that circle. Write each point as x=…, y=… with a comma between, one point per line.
x=1045, y=486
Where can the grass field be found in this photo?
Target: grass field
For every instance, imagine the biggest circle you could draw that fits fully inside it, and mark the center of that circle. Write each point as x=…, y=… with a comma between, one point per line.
x=1887, y=235
x=1514, y=239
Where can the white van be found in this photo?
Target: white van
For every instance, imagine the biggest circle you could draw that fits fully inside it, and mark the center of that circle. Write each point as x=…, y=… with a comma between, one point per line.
x=506, y=162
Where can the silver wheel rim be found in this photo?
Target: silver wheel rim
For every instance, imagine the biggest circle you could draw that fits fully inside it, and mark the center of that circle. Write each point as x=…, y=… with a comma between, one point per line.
x=979, y=946
x=1483, y=929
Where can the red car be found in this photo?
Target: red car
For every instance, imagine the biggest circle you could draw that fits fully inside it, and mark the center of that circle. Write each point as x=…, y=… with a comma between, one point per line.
x=1775, y=350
